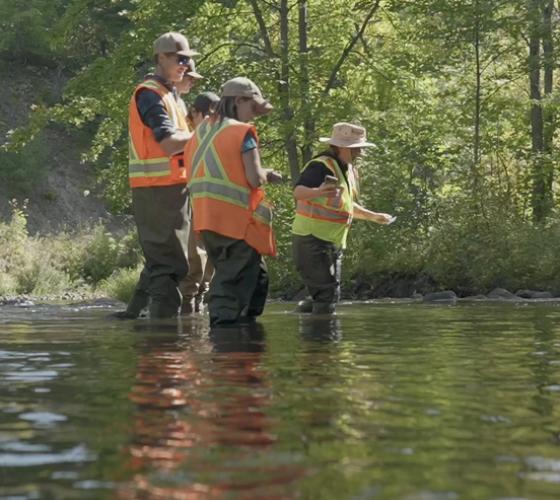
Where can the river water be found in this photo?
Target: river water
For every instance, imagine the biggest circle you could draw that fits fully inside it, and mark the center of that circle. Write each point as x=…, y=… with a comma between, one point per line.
x=382, y=401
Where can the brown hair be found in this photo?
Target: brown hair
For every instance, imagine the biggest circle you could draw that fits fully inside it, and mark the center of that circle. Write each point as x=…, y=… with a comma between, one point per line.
x=227, y=108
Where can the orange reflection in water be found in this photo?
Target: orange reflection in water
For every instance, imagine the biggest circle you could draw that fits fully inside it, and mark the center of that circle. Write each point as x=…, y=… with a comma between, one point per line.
x=201, y=424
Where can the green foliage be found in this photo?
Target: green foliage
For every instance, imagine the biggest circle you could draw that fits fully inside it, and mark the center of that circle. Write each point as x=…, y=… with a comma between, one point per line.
x=284, y=280
x=25, y=169
x=441, y=86
x=26, y=29
x=103, y=252
x=49, y=266
x=121, y=284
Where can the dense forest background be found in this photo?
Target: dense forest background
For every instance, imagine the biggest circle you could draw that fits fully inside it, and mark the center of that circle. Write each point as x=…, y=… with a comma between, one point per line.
x=460, y=97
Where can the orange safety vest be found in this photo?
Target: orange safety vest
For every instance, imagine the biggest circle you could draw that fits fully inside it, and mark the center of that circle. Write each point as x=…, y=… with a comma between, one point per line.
x=222, y=199
x=148, y=164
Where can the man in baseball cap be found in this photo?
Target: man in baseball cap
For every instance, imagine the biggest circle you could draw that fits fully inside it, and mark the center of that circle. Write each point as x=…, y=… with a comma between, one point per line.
x=326, y=194
x=158, y=131
x=172, y=42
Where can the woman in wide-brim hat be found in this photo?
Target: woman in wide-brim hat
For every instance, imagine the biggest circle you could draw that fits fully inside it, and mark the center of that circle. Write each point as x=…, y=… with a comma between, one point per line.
x=326, y=195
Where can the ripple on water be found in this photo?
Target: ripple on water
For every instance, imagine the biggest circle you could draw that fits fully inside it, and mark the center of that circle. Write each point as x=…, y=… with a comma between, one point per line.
x=44, y=418
x=75, y=455
x=31, y=376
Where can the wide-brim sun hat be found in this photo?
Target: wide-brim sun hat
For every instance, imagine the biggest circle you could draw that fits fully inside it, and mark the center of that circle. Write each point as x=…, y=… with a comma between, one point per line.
x=173, y=42
x=243, y=87
x=347, y=135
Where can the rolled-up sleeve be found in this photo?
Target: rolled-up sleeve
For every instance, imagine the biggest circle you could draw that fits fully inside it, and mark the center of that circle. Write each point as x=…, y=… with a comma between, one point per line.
x=154, y=115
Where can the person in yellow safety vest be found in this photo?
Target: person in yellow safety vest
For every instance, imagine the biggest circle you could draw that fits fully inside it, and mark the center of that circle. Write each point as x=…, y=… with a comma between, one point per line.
x=197, y=282
x=158, y=130
x=326, y=204
x=230, y=212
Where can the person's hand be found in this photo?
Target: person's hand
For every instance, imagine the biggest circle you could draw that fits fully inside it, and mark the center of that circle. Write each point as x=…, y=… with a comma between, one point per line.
x=273, y=177
x=382, y=218
x=328, y=190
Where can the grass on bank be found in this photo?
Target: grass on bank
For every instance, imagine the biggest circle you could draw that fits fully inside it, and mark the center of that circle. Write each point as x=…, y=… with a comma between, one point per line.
x=90, y=261
x=462, y=251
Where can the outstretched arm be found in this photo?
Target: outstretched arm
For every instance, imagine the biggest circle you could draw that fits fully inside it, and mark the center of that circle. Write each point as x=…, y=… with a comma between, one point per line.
x=365, y=214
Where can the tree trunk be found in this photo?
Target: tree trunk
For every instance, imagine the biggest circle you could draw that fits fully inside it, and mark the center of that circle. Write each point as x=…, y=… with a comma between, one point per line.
x=478, y=91
x=537, y=139
x=283, y=78
x=548, y=112
x=287, y=111
x=305, y=97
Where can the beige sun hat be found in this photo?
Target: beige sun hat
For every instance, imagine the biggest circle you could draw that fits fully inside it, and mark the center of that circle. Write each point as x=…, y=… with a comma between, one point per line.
x=243, y=87
x=173, y=42
x=347, y=135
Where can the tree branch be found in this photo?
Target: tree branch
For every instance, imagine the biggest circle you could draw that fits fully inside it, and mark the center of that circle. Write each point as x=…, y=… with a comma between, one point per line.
x=349, y=47
x=262, y=28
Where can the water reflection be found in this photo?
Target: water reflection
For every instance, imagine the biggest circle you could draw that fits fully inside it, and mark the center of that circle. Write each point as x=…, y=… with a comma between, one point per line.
x=324, y=328
x=201, y=422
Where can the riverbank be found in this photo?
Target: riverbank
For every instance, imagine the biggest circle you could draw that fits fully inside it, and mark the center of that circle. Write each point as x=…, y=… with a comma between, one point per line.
x=444, y=297
x=94, y=261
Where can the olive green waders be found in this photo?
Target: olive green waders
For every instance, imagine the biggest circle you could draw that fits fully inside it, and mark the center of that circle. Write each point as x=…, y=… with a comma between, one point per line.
x=239, y=287
x=319, y=264
x=162, y=219
x=197, y=282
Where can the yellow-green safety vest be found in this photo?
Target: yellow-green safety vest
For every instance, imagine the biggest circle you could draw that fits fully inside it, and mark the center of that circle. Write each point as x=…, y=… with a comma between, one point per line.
x=325, y=218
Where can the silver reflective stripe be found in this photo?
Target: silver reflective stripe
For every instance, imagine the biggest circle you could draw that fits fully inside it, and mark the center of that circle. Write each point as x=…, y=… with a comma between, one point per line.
x=264, y=213
x=212, y=164
x=203, y=145
x=238, y=196
x=155, y=168
x=311, y=210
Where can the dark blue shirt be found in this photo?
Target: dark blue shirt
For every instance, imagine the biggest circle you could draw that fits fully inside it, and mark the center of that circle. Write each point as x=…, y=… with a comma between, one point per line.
x=152, y=110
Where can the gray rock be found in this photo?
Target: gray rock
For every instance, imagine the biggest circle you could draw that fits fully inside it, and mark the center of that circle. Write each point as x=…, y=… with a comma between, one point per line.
x=444, y=296
x=474, y=298
x=532, y=294
x=502, y=294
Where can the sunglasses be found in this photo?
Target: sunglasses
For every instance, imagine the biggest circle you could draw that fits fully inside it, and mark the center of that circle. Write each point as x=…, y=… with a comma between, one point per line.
x=181, y=59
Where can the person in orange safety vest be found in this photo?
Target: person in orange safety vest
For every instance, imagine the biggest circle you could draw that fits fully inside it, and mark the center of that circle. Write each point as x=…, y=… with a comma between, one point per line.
x=230, y=212
x=158, y=131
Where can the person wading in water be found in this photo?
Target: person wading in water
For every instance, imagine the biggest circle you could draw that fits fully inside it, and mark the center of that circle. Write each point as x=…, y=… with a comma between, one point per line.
x=326, y=204
x=158, y=131
x=229, y=207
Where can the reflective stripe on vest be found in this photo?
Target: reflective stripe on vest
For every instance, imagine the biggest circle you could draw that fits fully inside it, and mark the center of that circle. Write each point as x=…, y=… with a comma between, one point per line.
x=314, y=210
x=204, y=187
x=156, y=166
x=215, y=183
x=326, y=218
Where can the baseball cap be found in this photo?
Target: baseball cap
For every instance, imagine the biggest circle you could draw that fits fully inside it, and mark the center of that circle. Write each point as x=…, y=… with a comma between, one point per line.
x=173, y=42
x=243, y=87
x=191, y=71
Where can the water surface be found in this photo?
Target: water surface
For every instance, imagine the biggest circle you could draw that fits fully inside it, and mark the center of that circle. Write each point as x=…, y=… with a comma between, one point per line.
x=381, y=401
